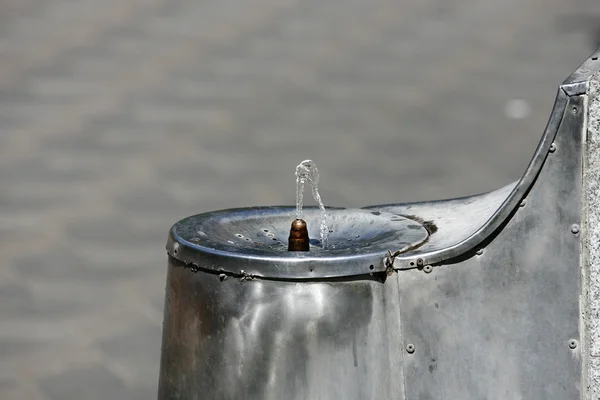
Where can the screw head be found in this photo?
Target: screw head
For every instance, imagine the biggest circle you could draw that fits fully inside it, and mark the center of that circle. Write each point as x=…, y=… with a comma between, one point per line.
x=427, y=269
x=552, y=148
x=575, y=228
x=573, y=344
x=410, y=348
x=420, y=262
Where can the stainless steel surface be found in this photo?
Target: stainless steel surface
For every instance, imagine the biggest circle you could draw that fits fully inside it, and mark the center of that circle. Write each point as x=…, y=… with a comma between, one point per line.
x=272, y=339
x=496, y=315
x=254, y=240
x=497, y=325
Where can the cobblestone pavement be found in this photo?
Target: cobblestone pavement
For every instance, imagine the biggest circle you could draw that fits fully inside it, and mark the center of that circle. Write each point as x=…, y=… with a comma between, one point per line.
x=118, y=117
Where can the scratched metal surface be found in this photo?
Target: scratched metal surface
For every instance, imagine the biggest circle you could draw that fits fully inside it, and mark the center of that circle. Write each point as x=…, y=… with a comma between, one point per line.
x=497, y=324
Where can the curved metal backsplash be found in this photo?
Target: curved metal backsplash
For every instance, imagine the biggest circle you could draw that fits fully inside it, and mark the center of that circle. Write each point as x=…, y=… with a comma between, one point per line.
x=464, y=224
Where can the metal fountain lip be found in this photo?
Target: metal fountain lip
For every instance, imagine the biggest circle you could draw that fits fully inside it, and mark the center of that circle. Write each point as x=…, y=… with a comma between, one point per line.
x=254, y=241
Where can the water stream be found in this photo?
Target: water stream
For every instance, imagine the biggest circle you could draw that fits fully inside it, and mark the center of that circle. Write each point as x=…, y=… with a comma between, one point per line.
x=307, y=172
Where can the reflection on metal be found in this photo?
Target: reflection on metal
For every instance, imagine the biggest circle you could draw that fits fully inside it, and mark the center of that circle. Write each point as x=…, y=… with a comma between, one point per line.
x=495, y=296
x=298, y=239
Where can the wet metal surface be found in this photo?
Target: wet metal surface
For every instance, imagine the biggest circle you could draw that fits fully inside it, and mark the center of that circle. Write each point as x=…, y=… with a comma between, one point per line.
x=233, y=239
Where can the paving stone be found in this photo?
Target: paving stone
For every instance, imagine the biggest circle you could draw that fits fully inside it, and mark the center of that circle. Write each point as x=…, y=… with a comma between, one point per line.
x=18, y=347
x=95, y=382
x=110, y=230
x=13, y=297
x=100, y=264
x=138, y=350
x=49, y=300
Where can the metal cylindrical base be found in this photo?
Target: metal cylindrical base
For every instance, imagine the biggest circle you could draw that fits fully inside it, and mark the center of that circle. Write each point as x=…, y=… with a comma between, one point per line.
x=228, y=337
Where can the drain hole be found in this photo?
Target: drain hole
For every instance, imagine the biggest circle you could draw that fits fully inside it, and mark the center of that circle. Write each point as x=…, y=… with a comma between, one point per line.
x=412, y=263
x=371, y=267
x=239, y=235
x=275, y=239
x=265, y=230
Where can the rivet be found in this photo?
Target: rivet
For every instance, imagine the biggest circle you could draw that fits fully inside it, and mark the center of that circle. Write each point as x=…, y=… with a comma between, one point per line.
x=420, y=262
x=523, y=203
x=575, y=228
x=427, y=269
x=410, y=348
x=552, y=148
x=479, y=252
x=573, y=344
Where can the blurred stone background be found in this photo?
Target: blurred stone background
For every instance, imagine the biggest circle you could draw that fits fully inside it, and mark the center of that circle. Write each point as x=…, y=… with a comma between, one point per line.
x=119, y=117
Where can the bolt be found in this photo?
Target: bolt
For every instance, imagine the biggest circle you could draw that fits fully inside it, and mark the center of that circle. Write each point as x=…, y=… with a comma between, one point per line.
x=552, y=148
x=410, y=348
x=573, y=344
x=479, y=252
x=427, y=269
x=575, y=228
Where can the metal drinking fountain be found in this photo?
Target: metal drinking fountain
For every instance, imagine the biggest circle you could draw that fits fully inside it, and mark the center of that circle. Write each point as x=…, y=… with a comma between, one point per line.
x=495, y=296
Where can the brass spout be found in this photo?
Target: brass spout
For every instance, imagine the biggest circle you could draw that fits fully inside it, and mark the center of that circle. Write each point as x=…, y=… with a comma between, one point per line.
x=298, y=240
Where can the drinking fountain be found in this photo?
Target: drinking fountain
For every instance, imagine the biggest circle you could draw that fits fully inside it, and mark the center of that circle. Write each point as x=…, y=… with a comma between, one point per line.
x=494, y=296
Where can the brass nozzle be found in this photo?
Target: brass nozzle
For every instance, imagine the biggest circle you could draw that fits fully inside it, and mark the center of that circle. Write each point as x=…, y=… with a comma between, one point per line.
x=298, y=240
